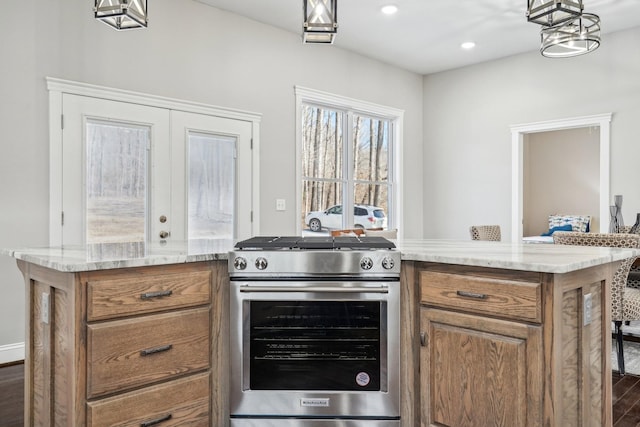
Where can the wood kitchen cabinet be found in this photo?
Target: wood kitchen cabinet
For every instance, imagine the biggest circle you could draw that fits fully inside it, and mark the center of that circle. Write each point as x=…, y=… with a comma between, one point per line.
x=132, y=346
x=513, y=348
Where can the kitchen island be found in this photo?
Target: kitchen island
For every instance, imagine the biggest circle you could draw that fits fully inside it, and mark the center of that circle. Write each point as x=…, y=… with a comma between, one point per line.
x=492, y=334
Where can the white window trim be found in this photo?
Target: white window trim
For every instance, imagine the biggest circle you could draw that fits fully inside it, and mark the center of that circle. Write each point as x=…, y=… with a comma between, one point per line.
x=305, y=95
x=57, y=87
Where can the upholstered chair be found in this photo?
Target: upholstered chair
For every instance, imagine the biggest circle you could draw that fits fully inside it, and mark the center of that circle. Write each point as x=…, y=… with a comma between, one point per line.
x=485, y=232
x=625, y=301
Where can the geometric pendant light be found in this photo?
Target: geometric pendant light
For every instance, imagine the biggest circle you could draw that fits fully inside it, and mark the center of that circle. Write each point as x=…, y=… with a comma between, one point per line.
x=550, y=13
x=122, y=14
x=572, y=38
x=320, y=21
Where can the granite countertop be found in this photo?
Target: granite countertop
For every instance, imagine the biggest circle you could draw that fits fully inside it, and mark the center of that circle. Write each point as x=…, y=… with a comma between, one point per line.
x=121, y=255
x=546, y=258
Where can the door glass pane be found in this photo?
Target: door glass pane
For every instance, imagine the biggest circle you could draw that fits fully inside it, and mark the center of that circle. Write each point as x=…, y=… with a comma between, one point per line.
x=117, y=174
x=212, y=172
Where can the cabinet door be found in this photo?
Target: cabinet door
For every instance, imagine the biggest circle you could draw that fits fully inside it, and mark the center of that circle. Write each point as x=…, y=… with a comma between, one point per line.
x=477, y=371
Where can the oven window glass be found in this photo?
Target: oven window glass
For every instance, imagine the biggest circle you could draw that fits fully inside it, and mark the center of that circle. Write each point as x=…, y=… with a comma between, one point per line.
x=316, y=345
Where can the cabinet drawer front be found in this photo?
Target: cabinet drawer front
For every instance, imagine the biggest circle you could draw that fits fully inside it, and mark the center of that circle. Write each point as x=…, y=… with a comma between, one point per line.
x=180, y=402
x=502, y=298
x=146, y=293
x=129, y=353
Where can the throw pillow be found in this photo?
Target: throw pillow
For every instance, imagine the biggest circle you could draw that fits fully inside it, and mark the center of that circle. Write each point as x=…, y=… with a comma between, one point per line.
x=578, y=222
x=566, y=227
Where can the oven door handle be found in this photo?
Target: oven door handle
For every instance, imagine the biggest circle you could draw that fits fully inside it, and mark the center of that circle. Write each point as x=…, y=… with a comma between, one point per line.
x=344, y=289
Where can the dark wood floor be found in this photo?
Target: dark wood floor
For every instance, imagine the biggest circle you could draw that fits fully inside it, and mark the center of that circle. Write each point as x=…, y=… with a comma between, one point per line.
x=626, y=398
x=12, y=395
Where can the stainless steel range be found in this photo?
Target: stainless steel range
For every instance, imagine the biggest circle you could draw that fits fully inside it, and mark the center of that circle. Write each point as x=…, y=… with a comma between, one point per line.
x=315, y=332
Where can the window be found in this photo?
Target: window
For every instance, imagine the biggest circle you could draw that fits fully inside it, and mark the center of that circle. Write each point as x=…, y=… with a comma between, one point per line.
x=346, y=153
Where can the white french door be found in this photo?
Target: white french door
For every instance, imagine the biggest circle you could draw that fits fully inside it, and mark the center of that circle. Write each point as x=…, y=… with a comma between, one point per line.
x=208, y=181
x=139, y=173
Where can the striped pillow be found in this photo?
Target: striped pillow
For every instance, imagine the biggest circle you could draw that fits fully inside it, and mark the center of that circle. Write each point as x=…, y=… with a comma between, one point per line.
x=578, y=222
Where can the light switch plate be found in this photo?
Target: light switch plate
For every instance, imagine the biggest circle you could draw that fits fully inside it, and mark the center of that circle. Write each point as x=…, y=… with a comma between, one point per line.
x=280, y=205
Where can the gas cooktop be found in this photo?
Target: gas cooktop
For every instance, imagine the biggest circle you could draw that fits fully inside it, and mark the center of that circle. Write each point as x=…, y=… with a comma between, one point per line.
x=298, y=243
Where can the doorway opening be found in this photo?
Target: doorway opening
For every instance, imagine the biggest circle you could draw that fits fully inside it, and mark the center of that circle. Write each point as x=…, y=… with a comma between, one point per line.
x=519, y=132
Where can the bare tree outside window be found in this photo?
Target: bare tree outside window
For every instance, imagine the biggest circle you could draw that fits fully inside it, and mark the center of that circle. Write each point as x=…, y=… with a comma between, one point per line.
x=116, y=182
x=325, y=173
x=212, y=172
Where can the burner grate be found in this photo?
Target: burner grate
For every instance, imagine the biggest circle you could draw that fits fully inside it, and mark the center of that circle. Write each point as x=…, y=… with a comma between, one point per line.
x=294, y=242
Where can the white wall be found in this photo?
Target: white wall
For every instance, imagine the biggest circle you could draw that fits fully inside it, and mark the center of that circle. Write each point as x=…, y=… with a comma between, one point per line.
x=467, y=114
x=190, y=51
x=561, y=176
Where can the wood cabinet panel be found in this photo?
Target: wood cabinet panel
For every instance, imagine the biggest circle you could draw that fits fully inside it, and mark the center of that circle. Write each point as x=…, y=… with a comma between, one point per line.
x=183, y=402
x=145, y=293
x=479, y=372
x=126, y=353
x=499, y=297
x=522, y=355
x=82, y=370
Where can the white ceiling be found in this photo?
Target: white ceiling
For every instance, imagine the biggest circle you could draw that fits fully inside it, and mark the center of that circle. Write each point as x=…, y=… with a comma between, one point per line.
x=424, y=36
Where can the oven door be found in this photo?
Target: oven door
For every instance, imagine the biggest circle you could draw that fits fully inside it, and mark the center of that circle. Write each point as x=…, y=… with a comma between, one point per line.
x=315, y=349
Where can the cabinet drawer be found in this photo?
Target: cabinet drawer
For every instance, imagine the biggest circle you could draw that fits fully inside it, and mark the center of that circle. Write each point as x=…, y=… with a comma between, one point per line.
x=145, y=293
x=180, y=402
x=502, y=298
x=128, y=353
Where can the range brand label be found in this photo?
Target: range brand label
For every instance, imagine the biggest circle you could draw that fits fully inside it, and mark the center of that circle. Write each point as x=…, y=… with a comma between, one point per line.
x=317, y=403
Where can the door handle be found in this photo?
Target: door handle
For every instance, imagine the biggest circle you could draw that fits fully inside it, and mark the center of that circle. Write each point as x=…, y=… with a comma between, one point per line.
x=164, y=234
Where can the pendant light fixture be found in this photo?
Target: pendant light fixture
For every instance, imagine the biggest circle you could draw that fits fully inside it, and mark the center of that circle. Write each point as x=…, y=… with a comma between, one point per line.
x=549, y=13
x=122, y=14
x=320, y=21
x=576, y=37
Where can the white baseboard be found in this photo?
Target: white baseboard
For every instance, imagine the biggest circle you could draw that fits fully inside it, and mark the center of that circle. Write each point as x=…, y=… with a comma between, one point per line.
x=11, y=352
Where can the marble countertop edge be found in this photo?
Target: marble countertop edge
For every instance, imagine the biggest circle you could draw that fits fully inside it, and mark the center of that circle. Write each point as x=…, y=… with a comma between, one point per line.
x=545, y=258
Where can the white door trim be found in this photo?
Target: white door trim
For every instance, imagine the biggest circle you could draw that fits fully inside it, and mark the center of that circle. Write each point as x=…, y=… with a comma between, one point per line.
x=603, y=121
x=57, y=87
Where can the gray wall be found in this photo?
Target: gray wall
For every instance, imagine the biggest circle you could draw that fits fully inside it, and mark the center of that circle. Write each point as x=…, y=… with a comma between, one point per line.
x=190, y=51
x=561, y=176
x=467, y=140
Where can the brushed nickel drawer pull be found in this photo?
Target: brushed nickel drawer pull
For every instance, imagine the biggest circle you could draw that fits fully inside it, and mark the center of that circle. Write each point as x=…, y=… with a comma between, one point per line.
x=157, y=294
x=156, y=421
x=155, y=350
x=471, y=295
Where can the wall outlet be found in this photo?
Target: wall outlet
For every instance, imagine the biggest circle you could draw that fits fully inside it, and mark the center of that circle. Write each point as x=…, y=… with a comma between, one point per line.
x=586, y=309
x=44, y=307
x=280, y=205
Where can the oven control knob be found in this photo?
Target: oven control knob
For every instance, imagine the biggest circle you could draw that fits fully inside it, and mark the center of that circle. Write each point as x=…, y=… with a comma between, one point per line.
x=261, y=263
x=366, y=263
x=240, y=263
x=387, y=263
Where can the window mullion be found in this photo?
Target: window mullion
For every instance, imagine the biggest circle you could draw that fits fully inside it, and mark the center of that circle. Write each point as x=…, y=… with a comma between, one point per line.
x=348, y=170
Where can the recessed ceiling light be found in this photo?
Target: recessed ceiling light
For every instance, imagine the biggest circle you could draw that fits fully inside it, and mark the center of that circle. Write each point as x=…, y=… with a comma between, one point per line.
x=468, y=45
x=389, y=9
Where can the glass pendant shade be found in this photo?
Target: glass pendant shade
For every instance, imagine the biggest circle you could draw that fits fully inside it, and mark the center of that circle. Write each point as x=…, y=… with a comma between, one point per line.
x=320, y=21
x=550, y=13
x=577, y=37
x=122, y=14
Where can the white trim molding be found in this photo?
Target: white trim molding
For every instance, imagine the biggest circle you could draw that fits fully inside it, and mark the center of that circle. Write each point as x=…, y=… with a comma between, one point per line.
x=602, y=121
x=11, y=353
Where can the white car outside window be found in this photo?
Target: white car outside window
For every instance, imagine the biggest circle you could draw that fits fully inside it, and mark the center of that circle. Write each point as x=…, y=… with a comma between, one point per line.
x=365, y=216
